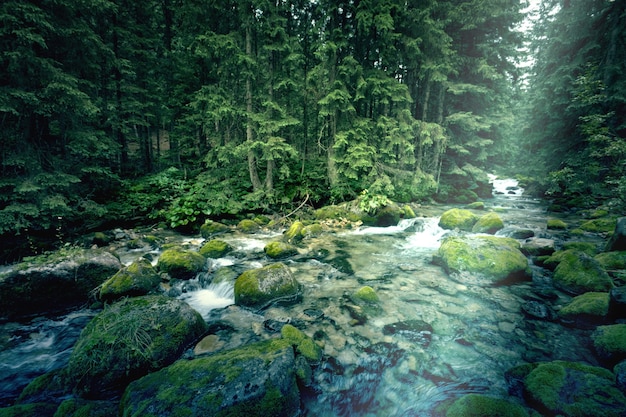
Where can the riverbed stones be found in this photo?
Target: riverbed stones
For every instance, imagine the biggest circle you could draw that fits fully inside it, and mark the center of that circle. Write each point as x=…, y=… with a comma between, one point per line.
x=461, y=219
x=496, y=259
x=617, y=242
x=211, y=228
x=538, y=246
x=280, y=250
x=181, y=263
x=259, y=288
x=128, y=340
x=138, y=278
x=578, y=273
x=586, y=310
x=568, y=389
x=257, y=380
x=556, y=224
x=609, y=343
x=489, y=223
x=415, y=331
x=215, y=248
x=248, y=226
x=54, y=283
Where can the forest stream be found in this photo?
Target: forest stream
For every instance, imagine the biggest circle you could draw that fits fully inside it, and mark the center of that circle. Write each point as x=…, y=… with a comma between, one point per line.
x=431, y=338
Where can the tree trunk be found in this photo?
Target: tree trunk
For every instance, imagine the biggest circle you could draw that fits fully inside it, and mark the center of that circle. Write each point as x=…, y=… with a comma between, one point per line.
x=254, y=175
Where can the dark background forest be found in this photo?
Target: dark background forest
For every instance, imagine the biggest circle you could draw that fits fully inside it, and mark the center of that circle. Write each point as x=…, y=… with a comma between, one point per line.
x=117, y=112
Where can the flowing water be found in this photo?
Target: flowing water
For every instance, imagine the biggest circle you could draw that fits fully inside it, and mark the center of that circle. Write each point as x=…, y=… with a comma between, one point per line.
x=431, y=338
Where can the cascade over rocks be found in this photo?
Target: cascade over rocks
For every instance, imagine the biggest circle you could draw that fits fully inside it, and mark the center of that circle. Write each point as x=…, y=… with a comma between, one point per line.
x=54, y=283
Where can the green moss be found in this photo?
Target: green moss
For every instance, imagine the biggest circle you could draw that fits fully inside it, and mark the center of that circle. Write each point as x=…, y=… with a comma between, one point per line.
x=556, y=224
x=138, y=278
x=180, y=263
x=475, y=405
x=407, y=212
x=81, y=408
x=294, y=233
x=215, y=249
x=588, y=248
x=248, y=226
x=544, y=384
x=458, y=219
x=51, y=382
x=366, y=294
x=578, y=273
x=312, y=230
x=603, y=225
x=489, y=223
x=589, y=304
x=612, y=260
x=257, y=288
x=211, y=228
x=304, y=345
x=610, y=341
x=279, y=250
x=496, y=257
x=477, y=205
x=29, y=410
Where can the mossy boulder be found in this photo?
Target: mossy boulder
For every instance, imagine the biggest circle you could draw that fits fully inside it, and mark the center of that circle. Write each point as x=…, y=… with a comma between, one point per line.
x=211, y=228
x=312, y=230
x=458, y=219
x=609, y=343
x=294, y=233
x=476, y=405
x=76, y=407
x=248, y=226
x=587, y=247
x=602, y=225
x=366, y=294
x=489, y=223
x=303, y=344
x=612, y=260
x=408, y=212
x=476, y=205
x=138, y=278
x=497, y=259
x=572, y=389
x=280, y=250
x=388, y=215
x=54, y=283
x=128, y=340
x=181, y=263
x=257, y=380
x=578, y=273
x=215, y=248
x=261, y=287
x=586, y=310
x=556, y=224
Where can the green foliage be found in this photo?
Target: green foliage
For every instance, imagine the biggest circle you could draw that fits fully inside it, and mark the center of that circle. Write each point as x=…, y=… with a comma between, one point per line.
x=370, y=203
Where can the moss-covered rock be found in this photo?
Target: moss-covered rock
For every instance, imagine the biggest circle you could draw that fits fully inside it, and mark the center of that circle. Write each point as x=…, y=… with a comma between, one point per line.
x=586, y=310
x=476, y=405
x=248, y=226
x=280, y=250
x=556, y=224
x=578, y=273
x=458, y=219
x=312, y=230
x=587, y=247
x=258, y=288
x=495, y=258
x=612, y=260
x=408, y=212
x=602, y=225
x=389, y=215
x=54, y=283
x=573, y=389
x=257, y=380
x=489, y=223
x=366, y=294
x=215, y=248
x=181, y=263
x=610, y=343
x=138, y=278
x=128, y=340
x=476, y=205
x=538, y=246
x=303, y=344
x=75, y=407
x=336, y=212
x=294, y=233
x=211, y=228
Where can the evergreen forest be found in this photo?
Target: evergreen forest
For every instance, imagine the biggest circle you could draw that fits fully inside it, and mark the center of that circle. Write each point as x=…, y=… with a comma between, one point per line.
x=116, y=112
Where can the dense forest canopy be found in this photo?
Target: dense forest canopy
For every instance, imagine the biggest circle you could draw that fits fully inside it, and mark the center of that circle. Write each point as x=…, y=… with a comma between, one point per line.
x=116, y=111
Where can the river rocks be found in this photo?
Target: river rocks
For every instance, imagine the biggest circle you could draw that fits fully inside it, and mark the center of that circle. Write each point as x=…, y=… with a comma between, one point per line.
x=248, y=226
x=495, y=258
x=538, y=310
x=586, y=310
x=210, y=229
x=215, y=248
x=568, y=389
x=261, y=287
x=617, y=242
x=54, y=283
x=257, y=380
x=280, y=250
x=181, y=263
x=538, y=247
x=476, y=405
x=556, y=224
x=129, y=339
x=578, y=273
x=365, y=294
x=294, y=233
x=602, y=225
x=612, y=260
x=609, y=343
x=458, y=219
x=415, y=331
x=303, y=344
x=138, y=278
x=489, y=223
x=617, y=303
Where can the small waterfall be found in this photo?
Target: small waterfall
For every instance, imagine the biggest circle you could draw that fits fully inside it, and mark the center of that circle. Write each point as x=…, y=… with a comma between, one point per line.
x=427, y=234
x=402, y=226
x=213, y=296
x=507, y=186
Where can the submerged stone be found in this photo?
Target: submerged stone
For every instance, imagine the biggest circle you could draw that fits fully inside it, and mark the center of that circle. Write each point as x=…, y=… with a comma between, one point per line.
x=416, y=331
x=257, y=380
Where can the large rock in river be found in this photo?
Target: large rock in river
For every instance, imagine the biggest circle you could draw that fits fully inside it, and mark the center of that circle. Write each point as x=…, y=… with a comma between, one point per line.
x=56, y=282
x=461, y=219
x=578, y=273
x=128, y=340
x=261, y=287
x=138, y=278
x=494, y=259
x=257, y=380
